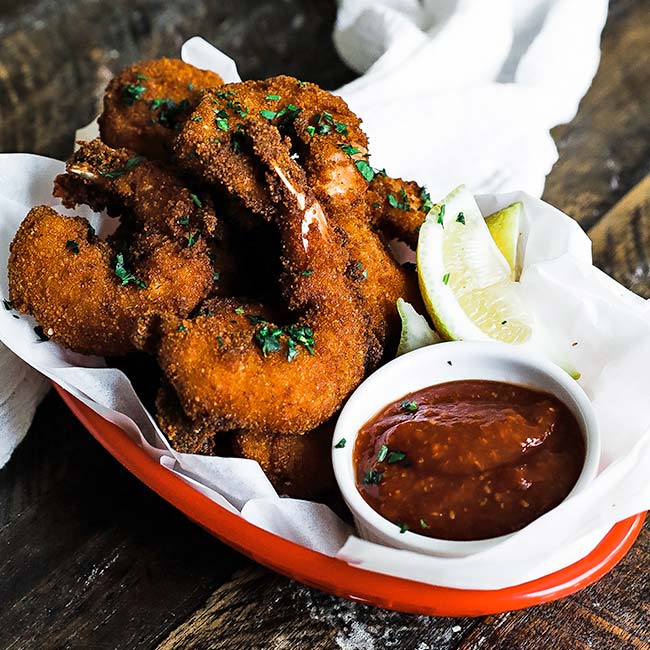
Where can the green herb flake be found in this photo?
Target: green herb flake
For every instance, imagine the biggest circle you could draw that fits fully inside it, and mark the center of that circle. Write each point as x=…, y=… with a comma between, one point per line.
x=372, y=477
x=131, y=93
x=216, y=276
x=272, y=97
x=383, y=451
x=311, y=130
x=461, y=218
x=403, y=528
x=169, y=111
x=192, y=238
x=307, y=272
x=402, y=203
x=269, y=339
x=395, y=457
x=42, y=336
x=196, y=118
x=239, y=310
x=302, y=335
x=181, y=328
x=365, y=169
x=124, y=275
x=197, y=200
x=256, y=320
x=190, y=87
x=409, y=405
x=340, y=444
x=423, y=524
x=427, y=204
x=292, y=350
x=269, y=115
x=73, y=246
x=220, y=341
x=445, y=278
x=349, y=149
x=141, y=77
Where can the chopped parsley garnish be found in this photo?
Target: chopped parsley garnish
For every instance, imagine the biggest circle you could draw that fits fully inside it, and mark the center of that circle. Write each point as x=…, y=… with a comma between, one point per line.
x=7, y=304
x=292, y=350
x=72, y=245
x=395, y=457
x=256, y=320
x=323, y=123
x=303, y=335
x=269, y=115
x=239, y=310
x=307, y=272
x=196, y=118
x=192, y=238
x=220, y=341
x=365, y=169
x=409, y=405
x=169, y=111
x=340, y=444
x=42, y=336
x=190, y=87
x=402, y=203
x=181, y=328
x=427, y=204
x=301, y=84
x=128, y=166
x=441, y=214
x=269, y=339
x=372, y=477
x=272, y=97
x=349, y=149
x=383, y=450
x=197, y=200
x=141, y=77
x=461, y=218
x=124, y=275
x=132, y=92
x=222, y=120
x=311, y=130
x=423, y=524
x=403, y=528
x=216, y=276
x=445, y=278
x=183, y=221
x=225, y=94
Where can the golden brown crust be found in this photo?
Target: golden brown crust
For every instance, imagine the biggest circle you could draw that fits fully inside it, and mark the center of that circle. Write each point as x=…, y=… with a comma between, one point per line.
x=144, y=105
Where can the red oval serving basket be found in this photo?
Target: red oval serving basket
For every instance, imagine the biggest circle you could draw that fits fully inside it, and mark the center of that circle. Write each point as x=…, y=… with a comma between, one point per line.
x=336, y=576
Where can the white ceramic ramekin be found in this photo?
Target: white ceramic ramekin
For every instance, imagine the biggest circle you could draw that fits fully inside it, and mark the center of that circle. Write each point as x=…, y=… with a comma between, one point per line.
x=436, y=364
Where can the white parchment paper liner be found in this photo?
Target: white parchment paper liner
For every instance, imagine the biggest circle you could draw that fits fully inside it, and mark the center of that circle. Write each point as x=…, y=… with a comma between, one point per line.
x=603, y=328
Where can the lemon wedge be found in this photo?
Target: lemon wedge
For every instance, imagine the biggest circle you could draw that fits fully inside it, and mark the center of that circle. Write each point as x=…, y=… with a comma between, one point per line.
x=416, y=332
x=465, y=280
x=504, y=226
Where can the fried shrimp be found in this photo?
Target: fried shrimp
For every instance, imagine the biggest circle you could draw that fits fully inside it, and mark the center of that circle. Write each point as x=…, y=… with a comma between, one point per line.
x=296, y=465
x=398, y=208
x=144, y=105
x=326, y=139
x=235, y=366
x=148, y=196
x=84, y=295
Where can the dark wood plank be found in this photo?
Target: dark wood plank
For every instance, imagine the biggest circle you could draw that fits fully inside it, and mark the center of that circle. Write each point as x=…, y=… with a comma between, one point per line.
x=90, y=557
x=605, y=150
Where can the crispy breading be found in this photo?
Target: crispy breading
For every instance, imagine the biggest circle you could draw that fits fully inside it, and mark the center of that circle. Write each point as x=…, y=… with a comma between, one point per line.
x=145, y=104
x=73, y=283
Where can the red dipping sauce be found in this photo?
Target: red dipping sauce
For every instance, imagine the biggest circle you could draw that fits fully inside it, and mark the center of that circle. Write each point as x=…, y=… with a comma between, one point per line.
x=468, y=460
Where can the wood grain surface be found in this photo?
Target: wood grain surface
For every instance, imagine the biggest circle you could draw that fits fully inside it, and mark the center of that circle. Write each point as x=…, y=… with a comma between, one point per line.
x=89, y=557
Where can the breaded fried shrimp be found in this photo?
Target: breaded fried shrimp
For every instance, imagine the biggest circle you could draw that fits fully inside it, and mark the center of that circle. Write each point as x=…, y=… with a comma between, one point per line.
x=144, y=105
x=235, y=364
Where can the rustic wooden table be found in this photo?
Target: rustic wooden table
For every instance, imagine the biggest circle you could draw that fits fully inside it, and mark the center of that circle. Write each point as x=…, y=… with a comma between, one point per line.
x=91, y=558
